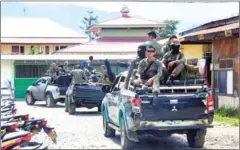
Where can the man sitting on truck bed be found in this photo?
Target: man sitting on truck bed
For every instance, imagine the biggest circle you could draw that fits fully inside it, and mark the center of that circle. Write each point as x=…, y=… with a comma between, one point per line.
x=174, y=62
x=134, y=64
x=150, y=70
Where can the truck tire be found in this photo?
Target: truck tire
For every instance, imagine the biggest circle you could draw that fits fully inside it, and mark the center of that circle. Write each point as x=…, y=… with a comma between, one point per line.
x=196, y=138
x=71, y=107
x=125, y=142
x=108, y=131
x=66, y=104
x=49, y=100
x=29, y=99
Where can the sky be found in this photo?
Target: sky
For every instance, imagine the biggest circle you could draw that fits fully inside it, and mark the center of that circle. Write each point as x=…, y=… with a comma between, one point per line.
x=194, y=13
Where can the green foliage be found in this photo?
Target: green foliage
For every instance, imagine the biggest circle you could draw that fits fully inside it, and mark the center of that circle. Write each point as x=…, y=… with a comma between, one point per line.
x=170, y=29
x=88, y=22
x=227, y=115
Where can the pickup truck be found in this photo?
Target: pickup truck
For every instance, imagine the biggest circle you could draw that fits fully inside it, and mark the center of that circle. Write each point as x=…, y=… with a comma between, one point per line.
x=136, y=112
x=44, y=90
x=84, y=95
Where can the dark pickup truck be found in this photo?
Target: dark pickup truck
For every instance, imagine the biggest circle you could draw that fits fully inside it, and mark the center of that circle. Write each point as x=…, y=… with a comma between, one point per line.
x=84, y=95
x=185, y=108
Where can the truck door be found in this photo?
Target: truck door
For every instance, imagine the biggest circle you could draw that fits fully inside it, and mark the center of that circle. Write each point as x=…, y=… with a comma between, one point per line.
x=112, y=100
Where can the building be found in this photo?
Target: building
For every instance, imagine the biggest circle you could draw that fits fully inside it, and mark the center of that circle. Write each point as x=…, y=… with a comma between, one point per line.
x=125, y=28
x=24, y=37
x=223, y=36
x=118, y=37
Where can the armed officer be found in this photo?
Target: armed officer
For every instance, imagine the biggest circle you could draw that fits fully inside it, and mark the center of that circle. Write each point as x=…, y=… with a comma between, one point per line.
x=152, y=37
x=167, y=47
x=134, y=64
x=150, y=70
x=174, y=62
x=104, y=79
x=89, y=66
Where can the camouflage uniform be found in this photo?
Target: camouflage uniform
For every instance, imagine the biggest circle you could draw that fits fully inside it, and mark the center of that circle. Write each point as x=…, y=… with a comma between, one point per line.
x=166, y=48
x=89, y=67
x=104, y=78
x=53, y=72
x=65, y=67
x=190, y=71
x=155, y=72
x=157, y=46
x=178, y=67
x=79, y=77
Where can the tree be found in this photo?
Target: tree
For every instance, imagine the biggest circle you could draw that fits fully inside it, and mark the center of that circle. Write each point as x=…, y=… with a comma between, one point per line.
x=170, y=29
x=88, y=23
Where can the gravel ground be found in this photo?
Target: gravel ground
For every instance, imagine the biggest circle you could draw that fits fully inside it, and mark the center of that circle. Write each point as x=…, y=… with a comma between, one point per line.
x=84, y=131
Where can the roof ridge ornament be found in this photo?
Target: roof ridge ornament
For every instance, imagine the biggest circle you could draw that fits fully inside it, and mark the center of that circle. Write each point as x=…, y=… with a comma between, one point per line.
x=125, y=11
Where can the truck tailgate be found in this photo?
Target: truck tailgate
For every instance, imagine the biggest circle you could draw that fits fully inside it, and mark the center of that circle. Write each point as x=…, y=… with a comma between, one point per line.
x=173, y=107
x=91, y=92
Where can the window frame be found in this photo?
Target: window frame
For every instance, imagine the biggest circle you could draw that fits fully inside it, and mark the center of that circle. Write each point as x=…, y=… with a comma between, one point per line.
x=19, y=50
x=46, y=49
x=219, y=85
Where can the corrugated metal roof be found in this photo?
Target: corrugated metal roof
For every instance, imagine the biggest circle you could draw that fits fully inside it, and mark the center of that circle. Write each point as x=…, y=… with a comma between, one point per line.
x=45, y=40
x=102, y=47
x=213, y=30
x=67, y=57
x=34, y=27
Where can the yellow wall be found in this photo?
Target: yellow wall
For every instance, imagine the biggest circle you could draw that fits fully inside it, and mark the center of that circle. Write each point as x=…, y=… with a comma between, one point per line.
x=192, y=51
x=6, y=49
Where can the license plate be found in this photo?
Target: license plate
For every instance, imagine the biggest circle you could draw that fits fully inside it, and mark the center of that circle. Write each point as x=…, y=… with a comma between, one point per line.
x=53, y=135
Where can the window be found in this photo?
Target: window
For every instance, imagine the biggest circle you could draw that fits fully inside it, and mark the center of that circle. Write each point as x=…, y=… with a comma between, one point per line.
x=224, y=82
x=32, y=50
x=226, y=63
x=15, y=50
x=47, y=50
x=62, y=47
x=22, y=51
x=56, y=48
x=30, y=71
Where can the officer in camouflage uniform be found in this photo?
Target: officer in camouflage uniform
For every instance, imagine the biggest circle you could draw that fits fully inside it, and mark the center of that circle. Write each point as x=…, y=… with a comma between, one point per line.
x=79, y=76
x=89, y=67
x=65, y=67
x=53, y=73
x=134, y=64
x=167, y=47
x=104, y=77
x=153, y=42
x=174, y=62
x=150, y=70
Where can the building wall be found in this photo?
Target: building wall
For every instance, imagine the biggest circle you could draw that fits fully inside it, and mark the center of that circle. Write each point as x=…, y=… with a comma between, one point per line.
x=192, y=51
x=124, y=32
x=6, y=49
x=226, y=48
x=7, y=70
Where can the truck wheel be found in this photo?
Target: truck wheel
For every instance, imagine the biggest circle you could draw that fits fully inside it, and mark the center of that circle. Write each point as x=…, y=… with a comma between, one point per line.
x=125, y=142
x=196, y=138
x=108, y=131
x=29, y=99
x=99, y=108
x=66, y=104
x=49, y=100
x=71, y=108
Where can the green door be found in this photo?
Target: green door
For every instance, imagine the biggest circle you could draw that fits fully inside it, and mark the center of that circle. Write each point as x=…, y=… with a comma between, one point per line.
x=21, y=85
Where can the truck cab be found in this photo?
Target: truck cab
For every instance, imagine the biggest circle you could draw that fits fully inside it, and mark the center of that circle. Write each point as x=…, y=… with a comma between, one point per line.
x=185, y=108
